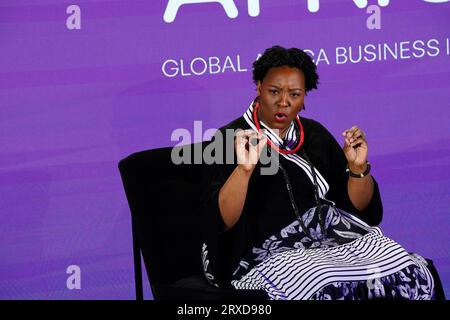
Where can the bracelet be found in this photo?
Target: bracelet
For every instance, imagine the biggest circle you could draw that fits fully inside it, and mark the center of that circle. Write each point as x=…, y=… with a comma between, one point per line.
x=358, y=175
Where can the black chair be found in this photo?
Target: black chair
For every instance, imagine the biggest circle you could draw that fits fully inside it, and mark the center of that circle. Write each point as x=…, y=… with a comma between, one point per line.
x=164, y=199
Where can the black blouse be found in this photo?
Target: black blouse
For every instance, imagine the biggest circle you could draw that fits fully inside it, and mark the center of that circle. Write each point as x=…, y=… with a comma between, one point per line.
x=267, y=207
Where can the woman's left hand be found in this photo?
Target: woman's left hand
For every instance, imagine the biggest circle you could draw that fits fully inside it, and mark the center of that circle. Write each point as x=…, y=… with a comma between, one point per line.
x=355, y=147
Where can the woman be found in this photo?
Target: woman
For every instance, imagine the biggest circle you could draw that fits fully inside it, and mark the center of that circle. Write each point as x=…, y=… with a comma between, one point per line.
x=308, y=231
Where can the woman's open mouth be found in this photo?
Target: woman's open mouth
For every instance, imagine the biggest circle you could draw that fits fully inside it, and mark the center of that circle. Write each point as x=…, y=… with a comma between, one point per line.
x=280, y=117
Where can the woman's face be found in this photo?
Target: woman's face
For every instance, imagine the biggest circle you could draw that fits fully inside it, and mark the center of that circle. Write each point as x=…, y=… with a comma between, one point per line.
x=282, y=94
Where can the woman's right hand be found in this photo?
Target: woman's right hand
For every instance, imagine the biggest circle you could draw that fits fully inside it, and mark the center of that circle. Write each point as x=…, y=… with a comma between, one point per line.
x=247, y=153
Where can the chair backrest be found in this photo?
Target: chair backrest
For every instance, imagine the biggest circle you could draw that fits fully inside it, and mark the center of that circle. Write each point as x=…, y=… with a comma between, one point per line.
x=164, y=199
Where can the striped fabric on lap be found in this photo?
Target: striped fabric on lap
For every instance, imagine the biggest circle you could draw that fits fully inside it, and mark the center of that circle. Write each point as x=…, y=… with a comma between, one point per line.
x=298, y=274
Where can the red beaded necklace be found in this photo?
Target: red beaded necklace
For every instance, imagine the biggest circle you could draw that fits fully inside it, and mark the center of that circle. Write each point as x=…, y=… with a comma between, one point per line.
x=258, y=126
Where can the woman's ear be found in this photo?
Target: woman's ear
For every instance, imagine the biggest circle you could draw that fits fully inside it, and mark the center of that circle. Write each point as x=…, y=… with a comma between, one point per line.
x=258, y=88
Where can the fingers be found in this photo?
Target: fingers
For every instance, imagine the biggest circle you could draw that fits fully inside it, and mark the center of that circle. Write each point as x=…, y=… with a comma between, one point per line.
x=356, y=142
x=242, y=137
x=254, y=152
x=353, y=134
x=262, y=143
x=249, y=145
x=248, y=137
x=247, y=133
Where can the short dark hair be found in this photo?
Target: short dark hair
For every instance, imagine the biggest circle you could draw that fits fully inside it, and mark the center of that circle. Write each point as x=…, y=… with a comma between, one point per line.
x=278, y=56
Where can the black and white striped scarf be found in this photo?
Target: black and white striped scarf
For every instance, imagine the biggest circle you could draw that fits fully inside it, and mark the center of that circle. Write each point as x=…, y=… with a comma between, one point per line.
x=289, y=142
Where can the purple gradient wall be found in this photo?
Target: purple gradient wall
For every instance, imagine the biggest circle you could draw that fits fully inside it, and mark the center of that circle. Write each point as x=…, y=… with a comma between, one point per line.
x=73, y=102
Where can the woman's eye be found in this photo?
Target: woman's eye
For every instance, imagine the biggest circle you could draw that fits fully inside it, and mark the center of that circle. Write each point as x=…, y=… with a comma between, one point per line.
x=273, y=91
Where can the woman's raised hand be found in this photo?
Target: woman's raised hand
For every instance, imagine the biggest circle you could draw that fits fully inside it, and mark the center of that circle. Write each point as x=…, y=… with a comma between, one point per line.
x=248, y=145
x=355, y=147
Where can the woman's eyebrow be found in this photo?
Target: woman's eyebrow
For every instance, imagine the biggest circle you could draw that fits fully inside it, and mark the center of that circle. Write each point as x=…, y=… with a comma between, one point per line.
x=293, y=89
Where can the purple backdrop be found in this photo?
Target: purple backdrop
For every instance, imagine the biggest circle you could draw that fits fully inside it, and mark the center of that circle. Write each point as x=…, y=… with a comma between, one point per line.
x=82, y=87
